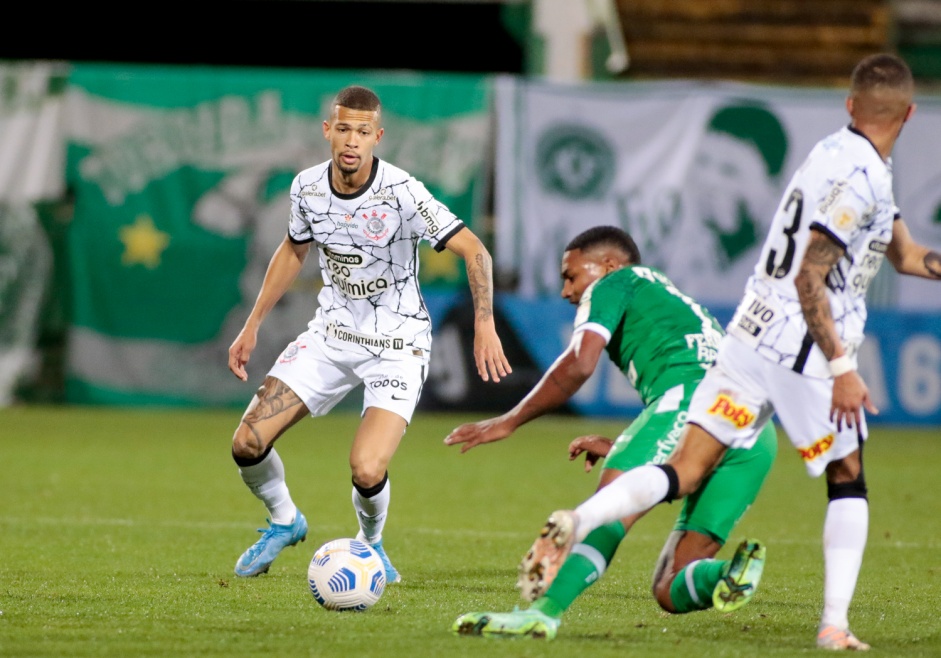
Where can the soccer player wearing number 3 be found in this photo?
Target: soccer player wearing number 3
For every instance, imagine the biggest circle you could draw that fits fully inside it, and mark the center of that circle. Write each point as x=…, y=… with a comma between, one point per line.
x=791, y=346
x=366, y=218
x=663, y=342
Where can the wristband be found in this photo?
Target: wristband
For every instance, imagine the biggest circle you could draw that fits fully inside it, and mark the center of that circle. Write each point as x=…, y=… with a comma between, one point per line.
x=841, y=365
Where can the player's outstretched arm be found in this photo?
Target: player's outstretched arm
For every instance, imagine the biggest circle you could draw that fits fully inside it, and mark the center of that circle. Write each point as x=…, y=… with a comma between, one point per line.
x=488, y=350
x=570, y=370
x=594, y=446
x=849, y=390
x=471, y=435
x=910, y=257
x=283, y=268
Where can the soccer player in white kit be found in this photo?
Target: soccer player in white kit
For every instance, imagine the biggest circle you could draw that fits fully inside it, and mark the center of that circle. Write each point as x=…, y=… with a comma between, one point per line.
x=791, y=346
x=366, y=218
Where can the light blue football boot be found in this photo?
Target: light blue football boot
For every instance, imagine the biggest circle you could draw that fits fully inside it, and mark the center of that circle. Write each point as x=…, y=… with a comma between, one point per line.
x=259, y=556
x=392, y=574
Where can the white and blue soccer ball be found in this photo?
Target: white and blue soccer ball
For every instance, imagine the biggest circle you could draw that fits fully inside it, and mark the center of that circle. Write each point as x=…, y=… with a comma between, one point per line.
x=346, y=574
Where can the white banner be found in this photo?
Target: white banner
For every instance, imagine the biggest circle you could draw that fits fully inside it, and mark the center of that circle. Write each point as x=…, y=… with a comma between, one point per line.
x=31, y=169
x=32, y=157
x=693, y=171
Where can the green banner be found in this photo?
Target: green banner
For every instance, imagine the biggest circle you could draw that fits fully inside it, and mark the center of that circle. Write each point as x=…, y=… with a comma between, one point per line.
x=181, y=180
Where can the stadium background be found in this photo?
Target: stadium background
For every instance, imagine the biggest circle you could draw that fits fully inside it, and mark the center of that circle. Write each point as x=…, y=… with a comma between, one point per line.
x=143, y=177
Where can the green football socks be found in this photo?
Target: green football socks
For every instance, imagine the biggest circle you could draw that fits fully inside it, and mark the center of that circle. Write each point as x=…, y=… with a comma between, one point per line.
x=584, y=566
x=693, y=586
x=691, y=590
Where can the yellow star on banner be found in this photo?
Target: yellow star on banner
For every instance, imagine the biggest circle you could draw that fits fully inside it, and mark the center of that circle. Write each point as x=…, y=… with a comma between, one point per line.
x=143, y=243
x=437, y=265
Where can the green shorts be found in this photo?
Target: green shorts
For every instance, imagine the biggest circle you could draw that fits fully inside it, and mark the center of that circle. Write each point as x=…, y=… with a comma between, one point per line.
x=725, y=495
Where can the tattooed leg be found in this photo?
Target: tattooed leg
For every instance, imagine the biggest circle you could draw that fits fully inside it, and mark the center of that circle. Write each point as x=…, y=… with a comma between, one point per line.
x=273, y=410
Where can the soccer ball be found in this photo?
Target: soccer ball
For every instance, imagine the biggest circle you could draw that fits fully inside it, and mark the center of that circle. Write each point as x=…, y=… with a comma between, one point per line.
x=346, y=574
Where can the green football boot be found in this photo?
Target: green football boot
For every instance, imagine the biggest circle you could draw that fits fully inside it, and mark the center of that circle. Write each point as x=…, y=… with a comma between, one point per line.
x=740, y=579
x=519, y=623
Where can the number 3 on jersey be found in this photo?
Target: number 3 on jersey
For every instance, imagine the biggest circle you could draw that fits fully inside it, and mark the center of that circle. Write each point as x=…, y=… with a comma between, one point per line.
x=795, y=205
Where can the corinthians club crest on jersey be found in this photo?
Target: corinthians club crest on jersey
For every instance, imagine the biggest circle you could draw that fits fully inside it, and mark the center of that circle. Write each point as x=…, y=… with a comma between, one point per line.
x=376, y=228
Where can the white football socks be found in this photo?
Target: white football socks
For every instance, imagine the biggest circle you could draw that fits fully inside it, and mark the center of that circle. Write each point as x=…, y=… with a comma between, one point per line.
x=844, y=540
x=632, y=492
x=266, y=481
x=371, y=513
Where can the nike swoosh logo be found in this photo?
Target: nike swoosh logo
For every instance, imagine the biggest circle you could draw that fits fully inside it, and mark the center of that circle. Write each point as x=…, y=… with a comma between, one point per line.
x=399, y=399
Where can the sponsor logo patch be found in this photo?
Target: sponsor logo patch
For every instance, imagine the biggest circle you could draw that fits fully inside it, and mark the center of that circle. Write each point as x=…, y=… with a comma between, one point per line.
x=384, y=194
x=347, y=222
x=362, y=289
x=881, y=247
x=350, y=260
x=311, y=190
x=833, y=196
x=737, y=414
x=431, y=220
x=819, y=447
x=366, y=340
x=394, y=384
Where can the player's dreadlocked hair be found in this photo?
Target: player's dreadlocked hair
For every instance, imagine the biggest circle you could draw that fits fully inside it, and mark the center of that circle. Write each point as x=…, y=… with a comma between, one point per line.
x=355, y=97
x=608, y=236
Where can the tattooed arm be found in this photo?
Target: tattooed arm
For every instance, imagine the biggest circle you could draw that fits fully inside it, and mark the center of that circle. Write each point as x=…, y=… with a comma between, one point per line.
x=909, y=257
x=811, y=281
x=850, y=393
x=488, y=350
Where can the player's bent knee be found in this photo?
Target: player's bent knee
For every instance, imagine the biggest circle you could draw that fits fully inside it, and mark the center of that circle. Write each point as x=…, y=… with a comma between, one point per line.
x=249, y=458
x=368, y=491
x=673, y=486
x=369, y=474
x=661, y=592
x=248, y=446
x=853, y=489
x=665, y=560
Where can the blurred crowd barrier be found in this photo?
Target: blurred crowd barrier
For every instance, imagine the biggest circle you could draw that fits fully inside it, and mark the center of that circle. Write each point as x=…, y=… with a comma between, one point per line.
x=900, y=361
x=141, y=205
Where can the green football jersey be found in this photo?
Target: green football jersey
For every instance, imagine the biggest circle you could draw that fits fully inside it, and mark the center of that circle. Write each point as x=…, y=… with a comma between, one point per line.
x=658, y=336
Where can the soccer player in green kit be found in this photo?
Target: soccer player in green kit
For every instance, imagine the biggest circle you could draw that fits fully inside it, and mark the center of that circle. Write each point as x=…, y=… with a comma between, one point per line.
x=663, y=342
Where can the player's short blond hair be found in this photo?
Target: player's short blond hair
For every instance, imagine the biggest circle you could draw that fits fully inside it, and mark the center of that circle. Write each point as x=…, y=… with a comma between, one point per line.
x=882, y=86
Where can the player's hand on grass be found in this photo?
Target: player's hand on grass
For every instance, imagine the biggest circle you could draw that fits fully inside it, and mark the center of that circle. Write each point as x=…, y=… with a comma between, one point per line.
x=594, y=446
x=471, y=435
x=240, y=352
x=488, y=354
x=850, y=395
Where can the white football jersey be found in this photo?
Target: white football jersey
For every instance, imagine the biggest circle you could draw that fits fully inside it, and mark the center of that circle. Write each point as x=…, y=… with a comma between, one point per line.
x=843, y=188
x=368, y=244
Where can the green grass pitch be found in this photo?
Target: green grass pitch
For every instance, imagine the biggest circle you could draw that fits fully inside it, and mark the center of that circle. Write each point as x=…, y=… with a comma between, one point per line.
x=119, y=530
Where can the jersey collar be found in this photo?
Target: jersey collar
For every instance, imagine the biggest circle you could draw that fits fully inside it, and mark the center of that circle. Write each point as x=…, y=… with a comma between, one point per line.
x=365, y=186
x=856, y=131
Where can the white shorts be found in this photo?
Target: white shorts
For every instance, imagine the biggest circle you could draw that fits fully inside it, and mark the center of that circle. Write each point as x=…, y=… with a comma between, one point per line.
x=744, y=389
x=322, y=375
